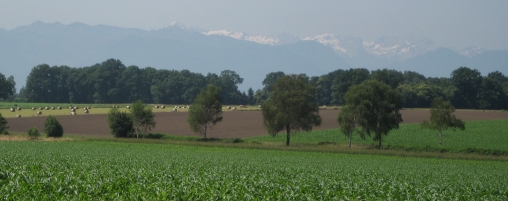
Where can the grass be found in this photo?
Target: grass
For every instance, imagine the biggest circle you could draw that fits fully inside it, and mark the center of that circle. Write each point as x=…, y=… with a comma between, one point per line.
x=479, y=135
x=99, y=170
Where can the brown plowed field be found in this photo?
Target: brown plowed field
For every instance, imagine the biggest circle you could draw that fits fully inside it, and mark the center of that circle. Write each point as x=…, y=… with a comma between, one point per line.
x=237, y=124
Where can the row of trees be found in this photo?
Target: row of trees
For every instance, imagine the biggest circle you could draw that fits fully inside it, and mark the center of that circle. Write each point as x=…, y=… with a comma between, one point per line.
x=372, y=107
x=112, y=82
x=465, y=88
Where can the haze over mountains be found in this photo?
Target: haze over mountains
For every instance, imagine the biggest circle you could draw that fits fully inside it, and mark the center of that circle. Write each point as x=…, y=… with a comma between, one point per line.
x=252, y=57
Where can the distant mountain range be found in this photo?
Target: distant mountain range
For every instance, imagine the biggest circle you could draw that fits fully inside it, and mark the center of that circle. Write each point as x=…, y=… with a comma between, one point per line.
x=252, y=57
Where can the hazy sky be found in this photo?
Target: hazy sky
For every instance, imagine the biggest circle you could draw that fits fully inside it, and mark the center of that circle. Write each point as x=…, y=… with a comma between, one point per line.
x=449, y=23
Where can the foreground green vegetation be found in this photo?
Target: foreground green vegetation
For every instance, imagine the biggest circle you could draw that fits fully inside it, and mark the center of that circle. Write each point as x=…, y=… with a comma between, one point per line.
x=128, y=171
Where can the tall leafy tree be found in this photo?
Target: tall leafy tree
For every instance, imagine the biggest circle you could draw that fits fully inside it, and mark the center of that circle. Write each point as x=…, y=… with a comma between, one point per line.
x=142, y=117
x=468, y=83
x=53, y=128
x=378, y=108
x=349, y=121
x=6, y=87
x=206, y=111
x=345, y=79
x=492, y=93
x=390, y=77
x=413, y=77
x=270, y=79
x=442, y=118
x=228, y=82
x=291, y=106
x=250, y=96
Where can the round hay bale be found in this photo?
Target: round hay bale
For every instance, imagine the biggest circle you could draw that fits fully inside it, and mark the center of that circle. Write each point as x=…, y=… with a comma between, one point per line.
x=39, y=113
x=128, y=107
x=18, y=116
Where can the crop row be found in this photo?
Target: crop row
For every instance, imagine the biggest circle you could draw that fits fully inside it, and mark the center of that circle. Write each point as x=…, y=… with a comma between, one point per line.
x=109, y=170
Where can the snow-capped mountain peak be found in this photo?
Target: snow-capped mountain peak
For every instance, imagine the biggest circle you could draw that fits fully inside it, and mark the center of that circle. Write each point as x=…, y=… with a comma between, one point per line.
x=331, y=40
x=471, y=51
x=393, y=48
x=242, y=36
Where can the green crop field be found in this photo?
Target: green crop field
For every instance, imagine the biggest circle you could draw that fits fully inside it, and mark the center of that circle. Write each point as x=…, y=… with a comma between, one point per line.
x=490, y=134
x=92, y=170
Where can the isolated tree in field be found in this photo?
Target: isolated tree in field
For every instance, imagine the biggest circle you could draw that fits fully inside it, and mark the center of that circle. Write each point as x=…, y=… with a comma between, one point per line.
x=3, y=124
x=442, y=118
x=290, y=106
x=120, y=123
x=349, y=120
x=33, y=133
x=52, y=127
x=377, y=106
x=206, y=111
x=142, y=116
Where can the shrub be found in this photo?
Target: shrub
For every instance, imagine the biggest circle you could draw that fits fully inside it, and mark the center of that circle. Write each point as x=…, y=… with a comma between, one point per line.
x=33, y=133
x=238, y=140
x=120, y=123
x=52, y=127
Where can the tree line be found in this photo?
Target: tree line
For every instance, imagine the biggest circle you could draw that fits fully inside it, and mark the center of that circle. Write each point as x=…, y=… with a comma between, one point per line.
x=112, y=82
x=465, y=88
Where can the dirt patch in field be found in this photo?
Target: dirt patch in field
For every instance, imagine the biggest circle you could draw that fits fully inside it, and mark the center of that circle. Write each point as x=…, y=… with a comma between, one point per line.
x=236, y=124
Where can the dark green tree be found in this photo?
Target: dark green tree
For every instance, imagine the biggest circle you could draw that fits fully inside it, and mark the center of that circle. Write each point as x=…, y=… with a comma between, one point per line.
x=343, y=80
x=492, y=93
x=468, y=83
x=6, y=87
x=291, y=106
x=142, y=116
x=250, y=96
x=120, y=123
x=411, y=77
x=378, y=108
x=442, y=118
x=53, y=128
x=391, y=77
x=206, y=111
x=270, y=79
x=3, y=124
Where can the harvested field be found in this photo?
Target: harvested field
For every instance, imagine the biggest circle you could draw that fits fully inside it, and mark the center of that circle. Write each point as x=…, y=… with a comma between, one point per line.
x=236, y=124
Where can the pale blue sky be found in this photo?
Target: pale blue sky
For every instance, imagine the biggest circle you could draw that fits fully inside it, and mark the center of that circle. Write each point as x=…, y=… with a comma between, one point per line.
x=454, y=23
